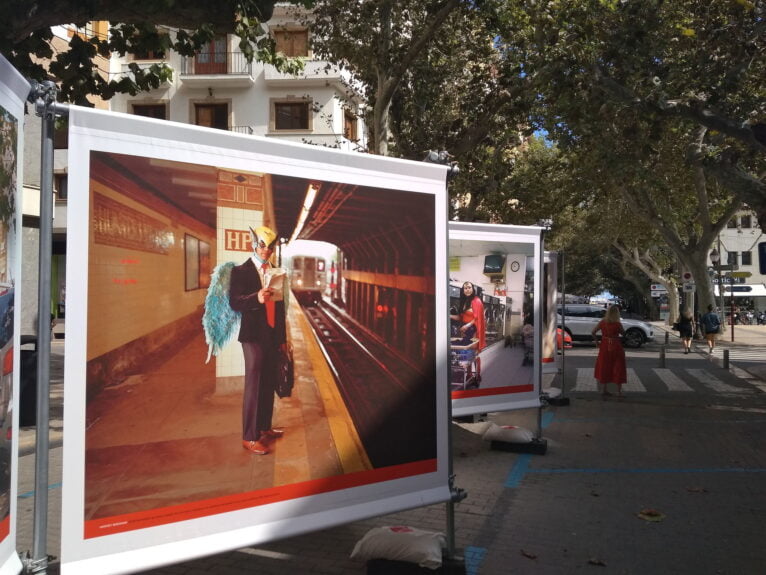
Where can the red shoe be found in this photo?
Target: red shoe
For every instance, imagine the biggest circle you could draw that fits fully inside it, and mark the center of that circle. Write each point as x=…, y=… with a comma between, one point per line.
x=274, y=433
x=255, y=447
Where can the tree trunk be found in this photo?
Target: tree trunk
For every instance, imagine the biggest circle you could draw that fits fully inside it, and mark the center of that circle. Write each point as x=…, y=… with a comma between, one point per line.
x=673, y=303
x=380, y=123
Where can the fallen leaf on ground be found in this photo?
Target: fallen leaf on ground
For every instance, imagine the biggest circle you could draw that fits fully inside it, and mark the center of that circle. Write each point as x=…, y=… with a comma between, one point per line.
x=651, y=515
x=594, y=561
x=696, y=489
x=528, y=555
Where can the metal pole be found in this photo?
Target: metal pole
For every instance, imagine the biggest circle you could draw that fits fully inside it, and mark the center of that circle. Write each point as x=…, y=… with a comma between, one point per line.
x=563, y=328
x=44, y=97
x=456, y=494
x=731, y=305
x=540, y=282
x=720, y=282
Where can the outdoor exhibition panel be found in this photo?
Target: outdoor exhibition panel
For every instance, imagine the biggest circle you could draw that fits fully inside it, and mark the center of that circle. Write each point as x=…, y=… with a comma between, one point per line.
x=494, y=337
x=551, y=344
x=154, y=466
x=13, y=93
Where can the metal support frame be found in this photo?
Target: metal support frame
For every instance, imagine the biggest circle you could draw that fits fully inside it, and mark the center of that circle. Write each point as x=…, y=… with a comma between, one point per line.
x=456, y=494
x=43, y=96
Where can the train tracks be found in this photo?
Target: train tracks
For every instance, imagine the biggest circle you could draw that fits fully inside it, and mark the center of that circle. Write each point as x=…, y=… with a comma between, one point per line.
x=390, y=400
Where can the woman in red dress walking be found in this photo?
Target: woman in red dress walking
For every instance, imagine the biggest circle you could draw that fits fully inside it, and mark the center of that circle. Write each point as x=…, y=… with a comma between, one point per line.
x=610, y=364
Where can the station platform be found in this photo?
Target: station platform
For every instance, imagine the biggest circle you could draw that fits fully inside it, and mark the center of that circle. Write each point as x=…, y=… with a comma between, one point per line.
x=163, y=438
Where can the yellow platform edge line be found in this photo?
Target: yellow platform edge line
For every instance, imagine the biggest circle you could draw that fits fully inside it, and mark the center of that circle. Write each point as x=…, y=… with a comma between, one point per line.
x=353, y=457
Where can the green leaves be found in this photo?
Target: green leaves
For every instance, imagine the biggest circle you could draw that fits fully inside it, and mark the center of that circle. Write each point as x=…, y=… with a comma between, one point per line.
x=139, y=27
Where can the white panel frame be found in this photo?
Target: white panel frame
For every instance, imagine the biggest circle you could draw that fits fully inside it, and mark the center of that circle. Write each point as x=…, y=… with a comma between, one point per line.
x=13, y=93
x=498, y=236
x=141, y=549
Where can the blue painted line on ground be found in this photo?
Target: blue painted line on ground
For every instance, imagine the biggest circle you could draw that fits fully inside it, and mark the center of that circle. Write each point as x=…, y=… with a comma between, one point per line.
x=28, y=494
x=521, y=465
x=473, y=558
x=519, y=469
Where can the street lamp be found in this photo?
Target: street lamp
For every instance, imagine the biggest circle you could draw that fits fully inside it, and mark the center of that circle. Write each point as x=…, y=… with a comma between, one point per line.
x=715, y=258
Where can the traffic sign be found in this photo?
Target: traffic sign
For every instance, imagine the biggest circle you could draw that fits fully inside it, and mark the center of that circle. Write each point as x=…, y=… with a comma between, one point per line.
x=728, y=267
x=689, y=286
x=739, y=274
x=657, y=287
x=687, y=276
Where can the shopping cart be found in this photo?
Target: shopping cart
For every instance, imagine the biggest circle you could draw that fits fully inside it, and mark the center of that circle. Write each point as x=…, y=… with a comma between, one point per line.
x=463, y=373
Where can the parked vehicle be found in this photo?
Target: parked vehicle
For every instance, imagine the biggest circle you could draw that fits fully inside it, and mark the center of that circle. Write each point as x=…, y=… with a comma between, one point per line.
x=580, y=319
x=563, y=340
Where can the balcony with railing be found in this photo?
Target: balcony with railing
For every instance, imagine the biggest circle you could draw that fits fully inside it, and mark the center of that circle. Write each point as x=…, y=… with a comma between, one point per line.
x=221, y=69
x=314, y=73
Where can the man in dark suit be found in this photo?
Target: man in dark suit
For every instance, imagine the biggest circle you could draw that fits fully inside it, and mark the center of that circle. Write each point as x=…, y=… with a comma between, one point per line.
x=261, y=333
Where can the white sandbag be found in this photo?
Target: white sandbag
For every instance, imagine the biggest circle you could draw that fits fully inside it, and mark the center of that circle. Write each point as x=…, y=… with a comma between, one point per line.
x=508, y=434
x=401, y=543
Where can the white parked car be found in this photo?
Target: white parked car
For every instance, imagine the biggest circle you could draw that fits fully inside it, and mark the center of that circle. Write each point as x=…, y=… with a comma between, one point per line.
x=580, y=319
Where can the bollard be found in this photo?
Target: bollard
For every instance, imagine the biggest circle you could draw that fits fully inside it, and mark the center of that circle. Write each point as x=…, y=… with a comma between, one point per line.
x=662, y=356
x=726, y=359
x=667, y=337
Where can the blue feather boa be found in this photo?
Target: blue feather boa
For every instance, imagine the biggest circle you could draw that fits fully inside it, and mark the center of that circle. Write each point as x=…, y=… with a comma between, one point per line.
x=219, y=321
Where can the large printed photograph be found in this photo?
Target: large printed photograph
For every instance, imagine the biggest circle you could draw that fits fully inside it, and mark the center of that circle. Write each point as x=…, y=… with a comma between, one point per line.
x=494, y=317
x=9, y=137
x=251, y=338
x=491, y=318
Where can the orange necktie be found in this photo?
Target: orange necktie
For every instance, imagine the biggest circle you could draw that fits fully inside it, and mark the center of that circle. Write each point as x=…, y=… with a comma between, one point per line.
x=270, y=306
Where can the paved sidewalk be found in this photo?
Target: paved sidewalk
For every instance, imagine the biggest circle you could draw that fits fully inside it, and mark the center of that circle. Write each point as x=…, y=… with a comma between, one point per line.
x=698, y=465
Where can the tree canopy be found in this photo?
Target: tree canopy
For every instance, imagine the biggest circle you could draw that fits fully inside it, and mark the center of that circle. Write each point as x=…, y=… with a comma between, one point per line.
x=25, y=39
x=639, y=66
x=653, y=111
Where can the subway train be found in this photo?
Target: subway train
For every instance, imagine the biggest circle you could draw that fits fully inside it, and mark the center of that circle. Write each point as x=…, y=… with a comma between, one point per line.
x=308, y=278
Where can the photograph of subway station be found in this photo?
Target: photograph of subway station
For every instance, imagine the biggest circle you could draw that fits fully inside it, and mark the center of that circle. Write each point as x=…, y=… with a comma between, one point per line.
x=163, y=424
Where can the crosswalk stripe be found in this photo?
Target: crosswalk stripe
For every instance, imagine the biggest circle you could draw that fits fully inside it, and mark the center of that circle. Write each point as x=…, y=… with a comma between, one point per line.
x=670, y=379
x=633, y=384
x=709, y=380
x=749, y=353
x=585, y=380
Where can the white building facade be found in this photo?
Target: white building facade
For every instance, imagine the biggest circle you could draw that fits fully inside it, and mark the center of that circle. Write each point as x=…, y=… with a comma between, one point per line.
x=218, y=88
x=740, y=244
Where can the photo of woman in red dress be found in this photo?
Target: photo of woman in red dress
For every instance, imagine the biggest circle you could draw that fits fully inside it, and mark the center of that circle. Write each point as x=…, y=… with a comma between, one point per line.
x=610, y=363
x=471, y=314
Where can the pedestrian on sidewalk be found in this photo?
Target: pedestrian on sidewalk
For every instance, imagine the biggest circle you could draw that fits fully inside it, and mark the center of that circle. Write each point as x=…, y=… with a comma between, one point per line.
x=711, y=326
x=685, y=327
x=610, y=363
